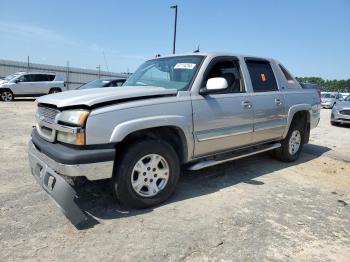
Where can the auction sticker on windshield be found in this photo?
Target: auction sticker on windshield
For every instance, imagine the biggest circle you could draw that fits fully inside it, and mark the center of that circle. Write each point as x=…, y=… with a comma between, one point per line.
x=184, y=66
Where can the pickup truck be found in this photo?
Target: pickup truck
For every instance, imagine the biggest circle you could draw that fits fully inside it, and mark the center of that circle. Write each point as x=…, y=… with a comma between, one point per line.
x=182, y=111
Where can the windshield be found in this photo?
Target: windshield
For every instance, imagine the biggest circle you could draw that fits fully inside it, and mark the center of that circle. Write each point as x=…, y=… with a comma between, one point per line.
x=94, y=84
x=328, y=96
x=171, y=73
x=9, y=77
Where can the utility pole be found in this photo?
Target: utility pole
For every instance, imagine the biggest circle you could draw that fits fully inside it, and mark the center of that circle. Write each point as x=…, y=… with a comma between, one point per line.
x=175, y=23
x=67, y=75
x=99, y=71
x=27, y=63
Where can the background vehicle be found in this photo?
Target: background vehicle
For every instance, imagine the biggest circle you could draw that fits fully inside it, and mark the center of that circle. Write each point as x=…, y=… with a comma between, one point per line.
x=104, y=82
x=328, y=100
x=341, y=112
x=23, y=84
x=196, y=110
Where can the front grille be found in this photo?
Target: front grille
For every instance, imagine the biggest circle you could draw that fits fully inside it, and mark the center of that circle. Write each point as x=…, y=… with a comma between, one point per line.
x=47, y=114
x=345, y=112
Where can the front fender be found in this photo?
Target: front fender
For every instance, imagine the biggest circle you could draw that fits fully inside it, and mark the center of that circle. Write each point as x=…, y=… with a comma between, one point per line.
x=123, y=129
x=128, y=127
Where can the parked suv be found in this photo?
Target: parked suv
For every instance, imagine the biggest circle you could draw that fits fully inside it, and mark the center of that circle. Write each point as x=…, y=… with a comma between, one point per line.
x=191, y=111
x=30, y=84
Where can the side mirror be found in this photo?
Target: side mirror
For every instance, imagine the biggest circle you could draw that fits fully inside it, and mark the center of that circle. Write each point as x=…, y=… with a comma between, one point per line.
x=17, y=81
x=215, y=84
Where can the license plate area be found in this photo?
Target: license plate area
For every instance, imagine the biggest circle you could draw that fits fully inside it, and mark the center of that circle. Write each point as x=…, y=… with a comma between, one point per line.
x=58, y=189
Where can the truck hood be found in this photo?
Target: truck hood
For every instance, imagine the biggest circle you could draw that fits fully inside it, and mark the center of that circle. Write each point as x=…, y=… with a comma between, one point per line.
x=95, y=96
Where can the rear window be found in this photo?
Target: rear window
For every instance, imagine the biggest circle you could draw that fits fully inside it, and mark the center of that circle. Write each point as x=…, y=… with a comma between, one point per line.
x=261, y=74
x=50, y=77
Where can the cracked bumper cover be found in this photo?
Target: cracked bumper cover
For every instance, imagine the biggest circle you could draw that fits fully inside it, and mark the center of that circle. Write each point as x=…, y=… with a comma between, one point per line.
x=48, y=173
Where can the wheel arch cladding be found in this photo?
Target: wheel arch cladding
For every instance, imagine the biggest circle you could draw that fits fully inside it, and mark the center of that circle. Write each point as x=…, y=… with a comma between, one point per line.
x=170, y=134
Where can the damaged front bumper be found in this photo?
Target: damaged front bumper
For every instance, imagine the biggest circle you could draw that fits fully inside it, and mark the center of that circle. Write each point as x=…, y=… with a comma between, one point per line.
x=56, y=187
x=50, y=174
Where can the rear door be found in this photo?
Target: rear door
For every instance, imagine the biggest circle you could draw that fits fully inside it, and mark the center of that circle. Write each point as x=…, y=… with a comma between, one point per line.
x=270, y=118
x=222, y=120
x=41, y=83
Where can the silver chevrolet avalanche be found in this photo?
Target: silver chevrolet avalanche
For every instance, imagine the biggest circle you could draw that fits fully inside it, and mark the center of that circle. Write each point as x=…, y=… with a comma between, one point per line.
x=182, y=111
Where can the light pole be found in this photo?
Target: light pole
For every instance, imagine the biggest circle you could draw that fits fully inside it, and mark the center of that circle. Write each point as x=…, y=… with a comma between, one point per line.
x=99, y=71
x=174, y=7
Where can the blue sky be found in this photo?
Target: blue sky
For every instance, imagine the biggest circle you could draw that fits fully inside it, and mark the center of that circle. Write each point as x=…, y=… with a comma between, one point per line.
x=311, y=38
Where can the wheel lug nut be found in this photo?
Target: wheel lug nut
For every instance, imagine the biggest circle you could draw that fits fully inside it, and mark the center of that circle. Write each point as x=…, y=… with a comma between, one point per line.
x=144, y=173
x=154, y=169
x=148, y=168
x=155, y=175
x=145, y=179
x=151, y=180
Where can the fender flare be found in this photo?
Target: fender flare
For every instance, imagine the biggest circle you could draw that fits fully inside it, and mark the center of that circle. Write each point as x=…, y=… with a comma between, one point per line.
x=124, y=129
x=292, y=111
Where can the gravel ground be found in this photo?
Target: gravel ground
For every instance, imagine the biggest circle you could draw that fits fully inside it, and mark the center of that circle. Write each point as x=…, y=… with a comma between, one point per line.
x=255, y=209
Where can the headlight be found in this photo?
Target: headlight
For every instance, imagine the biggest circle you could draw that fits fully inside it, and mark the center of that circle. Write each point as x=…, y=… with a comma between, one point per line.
x=71, y=138
x=77, y=120
x=73, y=117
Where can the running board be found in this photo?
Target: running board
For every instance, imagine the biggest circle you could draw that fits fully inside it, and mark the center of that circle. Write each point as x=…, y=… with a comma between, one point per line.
x=233, y=156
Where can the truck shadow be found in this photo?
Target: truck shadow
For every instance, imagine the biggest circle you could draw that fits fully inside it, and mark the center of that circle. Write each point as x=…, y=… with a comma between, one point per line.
x=97, y=201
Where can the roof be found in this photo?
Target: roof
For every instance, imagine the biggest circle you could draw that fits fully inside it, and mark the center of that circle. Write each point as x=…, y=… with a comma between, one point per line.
x=213, y=54
x=34, y=72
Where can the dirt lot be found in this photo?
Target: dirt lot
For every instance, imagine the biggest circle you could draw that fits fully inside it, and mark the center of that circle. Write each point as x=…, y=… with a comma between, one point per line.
x=252, y=209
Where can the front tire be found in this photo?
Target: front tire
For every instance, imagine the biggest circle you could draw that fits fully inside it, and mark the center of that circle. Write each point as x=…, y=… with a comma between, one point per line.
x=146, y=175
x=7, y=96
x=333, y=123
x=292, y=144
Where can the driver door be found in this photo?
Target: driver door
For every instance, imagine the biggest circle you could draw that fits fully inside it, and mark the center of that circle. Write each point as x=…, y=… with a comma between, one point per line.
x=222, y=120
x=23, y=85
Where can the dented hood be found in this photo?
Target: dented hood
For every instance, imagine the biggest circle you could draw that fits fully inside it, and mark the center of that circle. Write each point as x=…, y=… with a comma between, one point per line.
x=95, y=96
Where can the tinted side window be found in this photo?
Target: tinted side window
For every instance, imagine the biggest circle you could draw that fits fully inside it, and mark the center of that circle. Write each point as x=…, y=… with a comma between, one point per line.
x=261, y=74
x=50, y=77
x=25, y=78
x=40, y=77
x=286, y=74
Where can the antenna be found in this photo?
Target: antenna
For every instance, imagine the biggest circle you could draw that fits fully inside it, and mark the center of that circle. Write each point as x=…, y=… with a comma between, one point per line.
x=197, y=50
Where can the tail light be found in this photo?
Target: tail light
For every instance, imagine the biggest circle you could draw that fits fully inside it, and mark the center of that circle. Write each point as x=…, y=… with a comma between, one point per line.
x=319, y=93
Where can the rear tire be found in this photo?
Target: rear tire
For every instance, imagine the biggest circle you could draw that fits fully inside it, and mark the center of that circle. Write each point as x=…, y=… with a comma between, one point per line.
x=146, y=175
x=7, y=96
x=292, y=144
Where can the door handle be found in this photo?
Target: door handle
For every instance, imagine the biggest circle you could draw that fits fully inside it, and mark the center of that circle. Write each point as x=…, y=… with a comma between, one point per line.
x=278, y=102
x=246, y=104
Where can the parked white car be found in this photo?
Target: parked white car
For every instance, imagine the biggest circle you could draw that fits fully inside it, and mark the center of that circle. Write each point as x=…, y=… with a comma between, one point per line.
x=23, y=84
x=328, y=100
